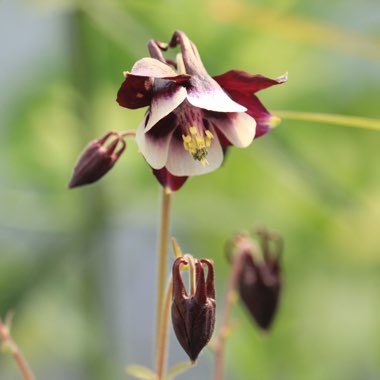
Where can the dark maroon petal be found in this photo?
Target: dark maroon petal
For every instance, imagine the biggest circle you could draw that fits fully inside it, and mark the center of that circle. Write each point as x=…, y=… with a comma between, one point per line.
x=182, y=79
x=168, y=180
x=255, y=109
x=242, y=81
x=200, y=289
x=179, y=291
x=210, y=278
x=135, y=92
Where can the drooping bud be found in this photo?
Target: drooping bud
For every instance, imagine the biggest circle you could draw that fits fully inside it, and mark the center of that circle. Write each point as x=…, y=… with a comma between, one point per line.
x=97, y=159
x=193, y=314
x=259, y=281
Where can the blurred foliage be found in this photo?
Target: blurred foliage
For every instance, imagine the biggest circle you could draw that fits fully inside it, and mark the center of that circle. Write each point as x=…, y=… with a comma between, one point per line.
x=316, y=183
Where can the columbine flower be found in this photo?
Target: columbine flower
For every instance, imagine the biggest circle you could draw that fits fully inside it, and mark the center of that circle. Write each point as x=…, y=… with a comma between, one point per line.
x=191, y=116
x=193, y=314
x=97, y=159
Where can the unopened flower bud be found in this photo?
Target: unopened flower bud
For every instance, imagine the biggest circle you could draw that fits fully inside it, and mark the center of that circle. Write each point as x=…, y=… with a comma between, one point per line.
x=97, y=159
x=259, y=281
x=193, y=314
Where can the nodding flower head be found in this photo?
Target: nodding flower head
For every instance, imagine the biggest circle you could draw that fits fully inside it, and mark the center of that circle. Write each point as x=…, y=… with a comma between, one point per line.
x=260, y=278
x=192, y=117
x=193, y=312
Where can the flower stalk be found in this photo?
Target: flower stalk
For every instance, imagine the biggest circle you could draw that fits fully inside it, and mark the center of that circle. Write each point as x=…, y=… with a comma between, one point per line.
x=229, y=300
x=164, y=330
x=9, y=345
x=161, y=279
x=342, y=120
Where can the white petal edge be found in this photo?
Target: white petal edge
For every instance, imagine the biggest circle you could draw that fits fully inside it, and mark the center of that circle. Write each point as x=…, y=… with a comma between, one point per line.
x=155, y=151
x=150, y=67
x=181, y=163
x=238, y=128
x=207, y=94
x=164, y=103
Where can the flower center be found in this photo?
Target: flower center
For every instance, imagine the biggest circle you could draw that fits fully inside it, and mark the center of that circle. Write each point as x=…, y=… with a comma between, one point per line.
x=197, y=145
x=196, y=138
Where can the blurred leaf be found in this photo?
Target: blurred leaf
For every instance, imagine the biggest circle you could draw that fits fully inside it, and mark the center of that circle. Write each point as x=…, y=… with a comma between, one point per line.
x=178, y=368
x=117, y=24
x=141, y=372
x=296, y=28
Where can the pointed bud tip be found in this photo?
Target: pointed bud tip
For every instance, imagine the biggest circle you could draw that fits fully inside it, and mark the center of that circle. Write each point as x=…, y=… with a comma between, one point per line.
x=74, y=183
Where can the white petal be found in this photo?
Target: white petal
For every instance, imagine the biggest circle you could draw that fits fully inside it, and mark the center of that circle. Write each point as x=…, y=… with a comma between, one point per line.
x=238, y=128
x=207, y=94
x=181, y=163
x=155, y=150
x=150, y=67
x=167, y=96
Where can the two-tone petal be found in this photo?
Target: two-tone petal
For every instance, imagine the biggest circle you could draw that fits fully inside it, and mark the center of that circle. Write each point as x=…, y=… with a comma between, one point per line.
x=242, y=86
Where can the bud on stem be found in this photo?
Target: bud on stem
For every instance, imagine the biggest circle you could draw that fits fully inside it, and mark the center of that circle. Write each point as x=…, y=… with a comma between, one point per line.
x=97, y=160
x=260, y=278
x=193, y=315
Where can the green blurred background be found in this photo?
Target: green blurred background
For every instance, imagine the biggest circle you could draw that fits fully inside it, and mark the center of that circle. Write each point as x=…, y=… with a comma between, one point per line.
x=78, y=267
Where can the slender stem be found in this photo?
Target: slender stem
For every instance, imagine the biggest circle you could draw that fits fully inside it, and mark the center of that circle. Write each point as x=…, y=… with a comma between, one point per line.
x=229, y=299
x=343, y=120
x=162, y=351
x=128, y=134
x=10, y=344
x=162, y=265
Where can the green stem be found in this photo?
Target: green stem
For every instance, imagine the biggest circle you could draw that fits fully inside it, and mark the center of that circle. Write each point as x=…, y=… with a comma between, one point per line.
x=161, y=279
x=343, y=120
x=164, y=328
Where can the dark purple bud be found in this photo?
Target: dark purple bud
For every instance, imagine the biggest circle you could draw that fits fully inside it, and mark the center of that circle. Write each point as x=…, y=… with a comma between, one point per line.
x=193, y=315
x=97, y=159
x=259, y=281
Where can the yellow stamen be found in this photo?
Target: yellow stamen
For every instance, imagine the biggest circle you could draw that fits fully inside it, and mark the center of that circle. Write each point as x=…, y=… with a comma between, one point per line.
x=198, y=145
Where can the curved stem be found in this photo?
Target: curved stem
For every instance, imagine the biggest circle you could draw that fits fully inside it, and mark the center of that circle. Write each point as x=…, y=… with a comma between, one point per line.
x=11, y=345
x=128, y=134
x=162, y=265
x=161, y=347
x=229, y=299
x=343, y=120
